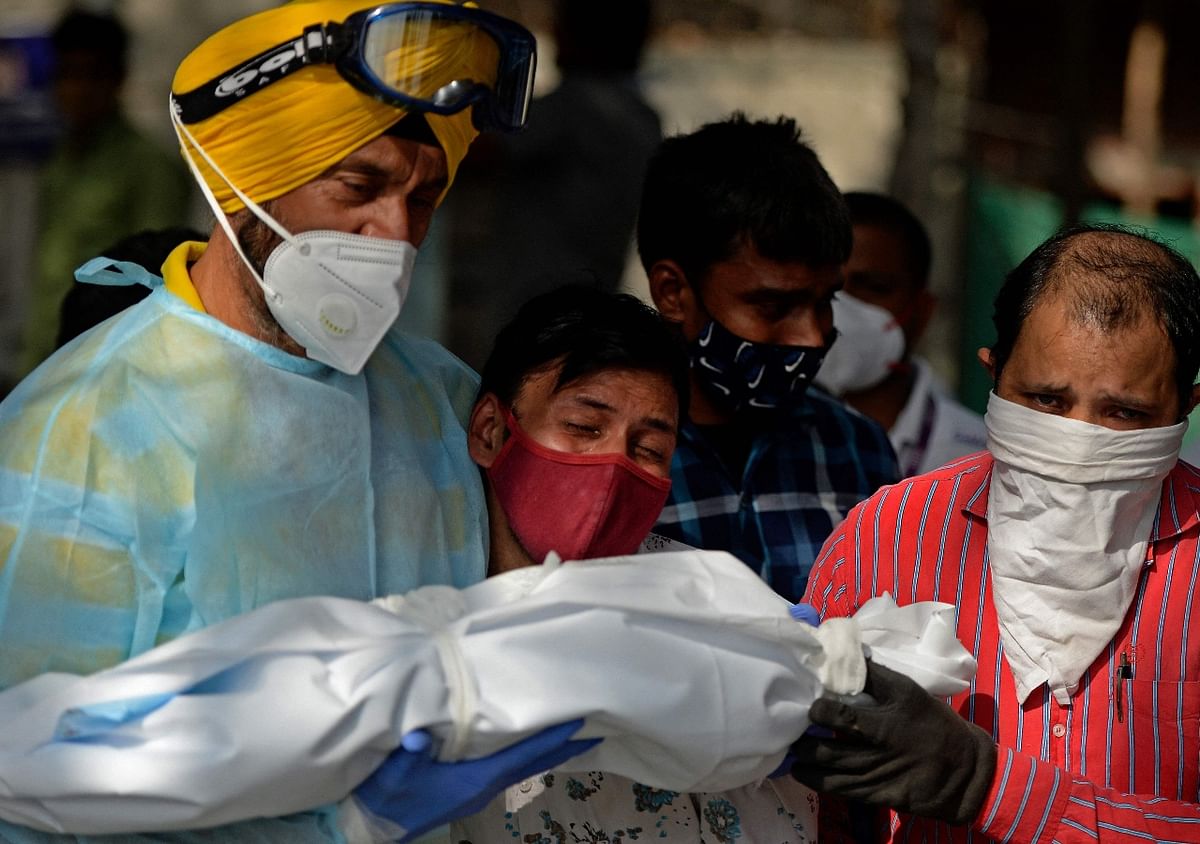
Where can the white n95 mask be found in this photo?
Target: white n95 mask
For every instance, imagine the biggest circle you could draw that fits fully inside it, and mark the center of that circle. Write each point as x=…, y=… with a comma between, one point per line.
x=334, y=293
x=1069, y=512
x=869, y=346
x=337, y=294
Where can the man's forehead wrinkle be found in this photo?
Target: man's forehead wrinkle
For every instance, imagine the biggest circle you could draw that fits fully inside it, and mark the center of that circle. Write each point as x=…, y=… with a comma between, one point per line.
x=1085, y=313
x=585, y=399
x=391, y=163
x=440, y=170
x=650, y=420
x=1050, y=339
x=785, y=285
x=663, y=424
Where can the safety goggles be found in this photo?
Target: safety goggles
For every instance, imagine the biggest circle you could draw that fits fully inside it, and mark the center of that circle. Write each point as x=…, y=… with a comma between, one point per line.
x=427, y=57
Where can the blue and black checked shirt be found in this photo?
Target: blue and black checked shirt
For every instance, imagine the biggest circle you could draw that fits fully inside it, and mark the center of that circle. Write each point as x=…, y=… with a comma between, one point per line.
x=800, y=481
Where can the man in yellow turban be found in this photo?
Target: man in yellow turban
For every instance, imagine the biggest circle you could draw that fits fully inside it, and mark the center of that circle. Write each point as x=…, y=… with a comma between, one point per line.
x=255, y=429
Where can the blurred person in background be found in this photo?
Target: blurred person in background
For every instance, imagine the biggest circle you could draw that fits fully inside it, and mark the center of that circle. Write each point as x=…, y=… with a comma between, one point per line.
x=87, y=305
x=105, y=179
x=743, y=235
x=559, y=199
x=880, y=315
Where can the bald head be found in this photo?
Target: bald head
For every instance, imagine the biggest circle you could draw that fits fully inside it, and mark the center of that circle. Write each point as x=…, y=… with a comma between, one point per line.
x=1108, y=279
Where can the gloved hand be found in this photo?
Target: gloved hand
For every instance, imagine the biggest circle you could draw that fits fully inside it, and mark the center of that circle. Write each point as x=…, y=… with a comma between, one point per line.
x=806, y=613
x=911, y=752
x=415, y=791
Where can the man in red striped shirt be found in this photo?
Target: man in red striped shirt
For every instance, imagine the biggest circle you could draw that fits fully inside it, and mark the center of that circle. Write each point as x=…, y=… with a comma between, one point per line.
x=1071, y=549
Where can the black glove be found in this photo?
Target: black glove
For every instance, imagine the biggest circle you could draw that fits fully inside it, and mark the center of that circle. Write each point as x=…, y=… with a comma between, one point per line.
x=910, y=752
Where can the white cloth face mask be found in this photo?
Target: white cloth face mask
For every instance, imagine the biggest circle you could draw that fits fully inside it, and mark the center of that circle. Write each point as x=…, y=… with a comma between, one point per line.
x=1070, y=510
x=870, y=342
x=334, y=293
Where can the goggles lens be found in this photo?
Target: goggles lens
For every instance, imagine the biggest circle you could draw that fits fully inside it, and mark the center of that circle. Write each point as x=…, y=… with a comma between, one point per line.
x=444, y=58
x=430, y=57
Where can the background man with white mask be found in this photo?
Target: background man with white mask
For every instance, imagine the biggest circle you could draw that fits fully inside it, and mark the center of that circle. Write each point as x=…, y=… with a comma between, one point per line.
x=1071, y=549
x=881, y=314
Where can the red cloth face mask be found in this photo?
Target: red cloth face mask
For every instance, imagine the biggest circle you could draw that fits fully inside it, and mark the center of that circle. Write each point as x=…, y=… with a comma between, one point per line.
x=579, y=505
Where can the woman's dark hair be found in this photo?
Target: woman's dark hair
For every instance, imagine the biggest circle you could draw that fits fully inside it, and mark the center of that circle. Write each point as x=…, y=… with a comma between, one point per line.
x=586, y=330
x=740, y=182
x=1112, y=277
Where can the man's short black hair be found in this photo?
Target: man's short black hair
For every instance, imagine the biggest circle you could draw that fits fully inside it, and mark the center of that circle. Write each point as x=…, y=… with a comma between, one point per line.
x=1113, y=276
x=104, y=35
x=586, y=330
x=876, y=209
x=740, y=182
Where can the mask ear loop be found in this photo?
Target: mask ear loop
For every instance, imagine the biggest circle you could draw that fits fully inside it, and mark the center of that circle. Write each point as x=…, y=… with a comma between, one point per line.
x=186, y=140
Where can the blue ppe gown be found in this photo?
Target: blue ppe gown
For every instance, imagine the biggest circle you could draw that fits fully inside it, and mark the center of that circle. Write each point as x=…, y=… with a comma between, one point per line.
x=164, y=471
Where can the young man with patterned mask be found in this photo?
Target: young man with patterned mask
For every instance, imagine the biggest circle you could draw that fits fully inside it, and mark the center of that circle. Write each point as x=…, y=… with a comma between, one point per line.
x=743, y=235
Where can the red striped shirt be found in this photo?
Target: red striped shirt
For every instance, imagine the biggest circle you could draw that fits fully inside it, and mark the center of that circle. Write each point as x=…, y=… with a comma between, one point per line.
x=1122, y=762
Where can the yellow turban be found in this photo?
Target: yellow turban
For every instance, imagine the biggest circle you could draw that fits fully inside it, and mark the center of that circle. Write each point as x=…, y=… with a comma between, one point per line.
x=289, y=132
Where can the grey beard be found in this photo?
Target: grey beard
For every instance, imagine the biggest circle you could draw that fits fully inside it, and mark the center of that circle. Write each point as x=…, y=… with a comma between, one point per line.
x=258, y=241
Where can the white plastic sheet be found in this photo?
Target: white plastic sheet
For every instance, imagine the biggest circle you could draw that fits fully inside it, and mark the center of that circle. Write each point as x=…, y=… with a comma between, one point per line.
x=686, y=663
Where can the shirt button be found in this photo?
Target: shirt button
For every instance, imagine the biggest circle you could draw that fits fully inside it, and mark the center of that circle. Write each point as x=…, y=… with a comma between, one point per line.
x=1059, y=731
x=526, y=786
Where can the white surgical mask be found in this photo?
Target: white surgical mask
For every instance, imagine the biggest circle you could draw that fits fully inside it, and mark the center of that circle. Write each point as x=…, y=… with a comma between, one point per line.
x=1070, y=510
x=870, y=342
x=334, y=293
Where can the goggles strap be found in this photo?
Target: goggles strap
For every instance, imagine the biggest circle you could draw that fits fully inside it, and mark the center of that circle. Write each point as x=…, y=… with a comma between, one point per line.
x=187, y=140
x=314, y=46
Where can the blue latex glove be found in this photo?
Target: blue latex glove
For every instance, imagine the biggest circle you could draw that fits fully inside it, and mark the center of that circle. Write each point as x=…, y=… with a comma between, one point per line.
x=809, y=615
x=806, y=613
x=417, y=792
